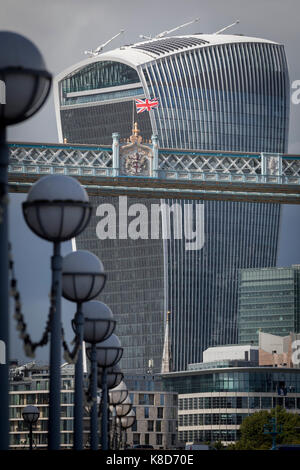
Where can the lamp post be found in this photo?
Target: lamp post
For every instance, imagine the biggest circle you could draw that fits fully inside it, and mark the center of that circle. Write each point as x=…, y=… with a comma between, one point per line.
x=25, y=84
x=83, y=279
x=117, y=395
x=30, y=415
x=114, y=376
x=108, y=353
x=57, y=209
x=124, y=408
x=127, y=421
x=98, y=326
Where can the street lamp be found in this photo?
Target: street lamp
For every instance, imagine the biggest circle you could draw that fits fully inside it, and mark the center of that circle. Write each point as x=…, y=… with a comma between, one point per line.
x=114, y=376
x=117, y=395
x=108, y=353
x=124, y=408
x=25, y=84
x=98, y=327
x=57, y=209
x=127, y=422
x=83, y=278
x=30, y=415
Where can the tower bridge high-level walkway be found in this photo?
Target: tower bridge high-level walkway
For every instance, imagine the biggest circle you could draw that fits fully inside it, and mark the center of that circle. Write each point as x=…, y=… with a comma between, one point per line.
x=159, y=172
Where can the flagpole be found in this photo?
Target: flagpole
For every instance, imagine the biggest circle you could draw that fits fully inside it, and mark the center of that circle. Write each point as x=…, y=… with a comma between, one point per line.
x=133, y=114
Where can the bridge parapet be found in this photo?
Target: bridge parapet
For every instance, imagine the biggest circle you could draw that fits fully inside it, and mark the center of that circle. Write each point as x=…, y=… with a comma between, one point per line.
x=170, y=163
x=190, y=169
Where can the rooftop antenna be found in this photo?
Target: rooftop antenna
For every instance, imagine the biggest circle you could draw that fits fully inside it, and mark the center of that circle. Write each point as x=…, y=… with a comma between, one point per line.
x=164, y=33
x=227, y=27
x=97, y=51
x=145, y=37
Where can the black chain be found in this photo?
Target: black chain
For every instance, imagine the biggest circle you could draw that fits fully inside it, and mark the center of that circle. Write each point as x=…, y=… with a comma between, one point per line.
x=4, y=200
x=70, y=356
x=29, y=345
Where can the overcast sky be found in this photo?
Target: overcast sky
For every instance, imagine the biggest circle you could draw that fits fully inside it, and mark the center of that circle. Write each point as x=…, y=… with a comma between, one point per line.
x=63, y=29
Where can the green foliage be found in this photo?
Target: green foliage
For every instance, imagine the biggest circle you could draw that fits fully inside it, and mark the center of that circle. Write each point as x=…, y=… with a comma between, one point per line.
x=252, y=429
x=231, y=447
x=218, y=445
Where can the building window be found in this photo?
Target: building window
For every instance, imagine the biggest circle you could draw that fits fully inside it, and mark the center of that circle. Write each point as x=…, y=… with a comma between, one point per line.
x=150, y=426
x=134, y=426
x=266, y=402
x=146, y=412
x=254, y=402
x=158, y=439
x=162, y=400
x=136, y=438
x=160, y=413
x=146, y=399
x=158, y=426
x=147, y=440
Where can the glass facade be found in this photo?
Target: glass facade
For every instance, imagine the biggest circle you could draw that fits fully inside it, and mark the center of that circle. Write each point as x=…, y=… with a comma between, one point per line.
x=255, y=380
x=268, y=301
x=232, y=96
x=98, y=98
x=203, y=284
x=213, y=405
x=134, y=289
x=224, y=435
x=93, y=124
x=105, y=74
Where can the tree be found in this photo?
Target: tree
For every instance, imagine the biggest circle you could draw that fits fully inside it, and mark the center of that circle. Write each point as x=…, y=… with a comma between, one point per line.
x=218, y=445
x=252, y=429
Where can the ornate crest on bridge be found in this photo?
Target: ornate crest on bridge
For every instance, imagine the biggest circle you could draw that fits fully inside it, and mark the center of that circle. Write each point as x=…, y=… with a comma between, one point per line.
x=135, y=157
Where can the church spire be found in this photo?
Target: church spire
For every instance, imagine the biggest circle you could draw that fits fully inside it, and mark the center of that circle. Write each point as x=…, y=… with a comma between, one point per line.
x=166, y=358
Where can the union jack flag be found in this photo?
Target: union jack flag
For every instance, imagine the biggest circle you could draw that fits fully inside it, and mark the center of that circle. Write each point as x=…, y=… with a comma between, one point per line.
x=145, y=105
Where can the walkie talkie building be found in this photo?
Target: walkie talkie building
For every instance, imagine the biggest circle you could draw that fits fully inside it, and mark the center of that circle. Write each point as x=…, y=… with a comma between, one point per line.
x=215, y=92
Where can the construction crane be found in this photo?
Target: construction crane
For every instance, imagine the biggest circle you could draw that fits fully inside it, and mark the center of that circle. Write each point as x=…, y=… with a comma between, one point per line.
x=164, y=33
x=95, y=52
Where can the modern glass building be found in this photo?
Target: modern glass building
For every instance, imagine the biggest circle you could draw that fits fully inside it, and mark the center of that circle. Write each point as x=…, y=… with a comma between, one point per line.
x=213, y=402
x=269, y=300
x=215, y=92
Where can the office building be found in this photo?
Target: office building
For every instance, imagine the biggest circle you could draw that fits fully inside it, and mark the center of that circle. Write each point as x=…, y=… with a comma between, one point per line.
x=215, y=397
x=29, y=385
x=279, y=351
x=155, y=408
x=156, y=413
x=215, y=92
x=269, y=300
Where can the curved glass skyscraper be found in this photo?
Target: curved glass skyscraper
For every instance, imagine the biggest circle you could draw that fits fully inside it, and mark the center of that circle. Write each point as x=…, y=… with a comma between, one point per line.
x=215, y=92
